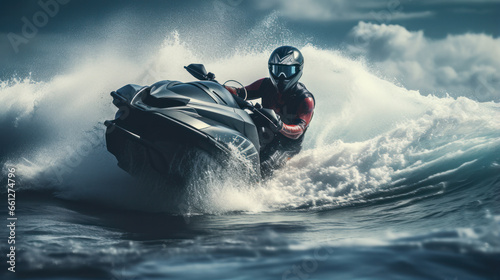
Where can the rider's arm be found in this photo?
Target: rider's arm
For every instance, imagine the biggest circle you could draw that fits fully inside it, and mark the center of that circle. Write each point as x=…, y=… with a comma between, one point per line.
x=253, y=90
x=301, y=121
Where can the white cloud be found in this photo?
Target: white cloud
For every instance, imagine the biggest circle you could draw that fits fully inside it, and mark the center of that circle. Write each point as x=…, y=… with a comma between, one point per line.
x=467, y=64
x=340, y=10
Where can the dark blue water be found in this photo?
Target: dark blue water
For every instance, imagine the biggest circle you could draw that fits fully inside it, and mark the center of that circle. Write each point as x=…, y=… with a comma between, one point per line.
x=422, y=234
x=390, y=185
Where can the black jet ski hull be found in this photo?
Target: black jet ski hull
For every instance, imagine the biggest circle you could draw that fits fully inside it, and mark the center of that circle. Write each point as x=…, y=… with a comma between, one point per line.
x=135, y=153
x=165, y=138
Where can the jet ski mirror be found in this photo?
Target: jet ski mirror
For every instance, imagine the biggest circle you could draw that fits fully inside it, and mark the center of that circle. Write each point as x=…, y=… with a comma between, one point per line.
x=199, y=72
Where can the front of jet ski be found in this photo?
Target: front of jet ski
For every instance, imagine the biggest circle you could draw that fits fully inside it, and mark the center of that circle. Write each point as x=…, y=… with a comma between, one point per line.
x=162, y=126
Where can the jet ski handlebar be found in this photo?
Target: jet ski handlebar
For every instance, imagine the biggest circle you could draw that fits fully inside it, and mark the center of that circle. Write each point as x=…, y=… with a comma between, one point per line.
x=199, y=72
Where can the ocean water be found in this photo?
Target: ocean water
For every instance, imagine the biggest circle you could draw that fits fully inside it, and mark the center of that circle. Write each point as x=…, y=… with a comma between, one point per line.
x=391, y=184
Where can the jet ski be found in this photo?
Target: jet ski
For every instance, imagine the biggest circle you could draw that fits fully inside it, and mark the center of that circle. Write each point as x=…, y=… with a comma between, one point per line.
x=165, y=126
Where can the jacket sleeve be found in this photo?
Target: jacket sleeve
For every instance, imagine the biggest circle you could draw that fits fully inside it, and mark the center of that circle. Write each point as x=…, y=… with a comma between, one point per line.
x=301, y=121
x=254, y=90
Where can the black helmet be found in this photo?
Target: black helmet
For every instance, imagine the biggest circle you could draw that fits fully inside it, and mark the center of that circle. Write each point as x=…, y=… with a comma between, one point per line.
x=285, y=67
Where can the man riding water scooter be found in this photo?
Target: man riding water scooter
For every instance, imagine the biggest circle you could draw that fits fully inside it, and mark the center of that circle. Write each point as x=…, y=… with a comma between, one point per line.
x=290, y=100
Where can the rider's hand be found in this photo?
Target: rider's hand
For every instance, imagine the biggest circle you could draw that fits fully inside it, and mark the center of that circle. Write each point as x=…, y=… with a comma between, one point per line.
x=232, y=90
x=274, y=120
x=276, y=125
x=240, y=92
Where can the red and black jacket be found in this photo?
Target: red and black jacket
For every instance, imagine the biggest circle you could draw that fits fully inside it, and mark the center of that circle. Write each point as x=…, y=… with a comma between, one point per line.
x=295, y=107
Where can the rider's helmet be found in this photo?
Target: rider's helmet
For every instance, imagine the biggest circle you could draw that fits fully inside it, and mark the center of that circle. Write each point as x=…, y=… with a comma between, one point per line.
x=285, y=67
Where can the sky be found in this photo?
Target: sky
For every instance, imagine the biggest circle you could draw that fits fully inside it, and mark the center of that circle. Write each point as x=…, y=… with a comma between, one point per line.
x=435, y=46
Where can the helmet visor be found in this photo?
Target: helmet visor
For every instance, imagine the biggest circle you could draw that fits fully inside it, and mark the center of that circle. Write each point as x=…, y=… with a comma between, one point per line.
x=287, y=70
